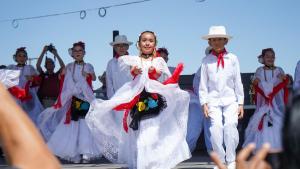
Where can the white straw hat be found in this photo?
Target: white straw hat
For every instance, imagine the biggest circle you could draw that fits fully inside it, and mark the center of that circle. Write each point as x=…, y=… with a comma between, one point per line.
x=217, y=32
x=120, y=39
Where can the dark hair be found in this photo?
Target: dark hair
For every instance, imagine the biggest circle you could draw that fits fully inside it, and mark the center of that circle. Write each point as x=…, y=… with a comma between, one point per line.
x=80, y=43
x=21, y=49
x=264, y=51
x=147, y=32
x=163, y=50
x=291, y=134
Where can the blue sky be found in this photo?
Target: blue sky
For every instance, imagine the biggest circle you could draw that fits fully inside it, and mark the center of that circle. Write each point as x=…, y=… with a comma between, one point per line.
x=179, y=25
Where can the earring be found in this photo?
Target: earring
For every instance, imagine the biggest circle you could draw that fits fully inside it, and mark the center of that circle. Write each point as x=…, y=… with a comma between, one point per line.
x=154, y=52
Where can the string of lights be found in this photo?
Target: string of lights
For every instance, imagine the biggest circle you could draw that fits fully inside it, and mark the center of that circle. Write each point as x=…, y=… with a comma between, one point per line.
x=102, y=11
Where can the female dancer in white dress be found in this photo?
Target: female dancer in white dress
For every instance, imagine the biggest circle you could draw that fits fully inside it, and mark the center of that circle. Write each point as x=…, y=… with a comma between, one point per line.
x=28, y=81
x=270, y=85
x=63, y=125
x=158, y=116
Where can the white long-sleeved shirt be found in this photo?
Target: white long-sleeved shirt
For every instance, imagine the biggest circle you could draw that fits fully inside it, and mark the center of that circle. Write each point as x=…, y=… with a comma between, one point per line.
x=296, y=85
x=220, y=86
x=116, y=76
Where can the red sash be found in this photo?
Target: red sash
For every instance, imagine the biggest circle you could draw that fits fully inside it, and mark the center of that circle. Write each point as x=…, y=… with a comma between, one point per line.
x=270, y=97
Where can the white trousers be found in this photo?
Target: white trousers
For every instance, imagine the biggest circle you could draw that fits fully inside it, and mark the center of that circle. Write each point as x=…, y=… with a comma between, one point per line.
x=223, y=129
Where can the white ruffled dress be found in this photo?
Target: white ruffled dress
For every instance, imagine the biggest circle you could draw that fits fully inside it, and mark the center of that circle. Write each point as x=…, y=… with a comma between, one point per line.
x=160, y=141
x=268, y=116
x=70, y=141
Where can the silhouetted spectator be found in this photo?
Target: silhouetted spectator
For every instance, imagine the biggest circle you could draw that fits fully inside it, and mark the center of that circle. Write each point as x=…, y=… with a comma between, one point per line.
x=49, y=87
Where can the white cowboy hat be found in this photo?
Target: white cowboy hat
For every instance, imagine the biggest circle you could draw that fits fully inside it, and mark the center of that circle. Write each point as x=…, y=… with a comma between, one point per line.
x=217, y=32
x=120, y=39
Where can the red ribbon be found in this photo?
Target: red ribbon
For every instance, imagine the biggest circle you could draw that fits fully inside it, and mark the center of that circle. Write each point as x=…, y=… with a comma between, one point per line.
x=261, y=122
x=220, y=57
x=270, y=97
x=282, y=85
x=89, y=80
x=19, y=93
x=24, y=94
x=133, y=74
x=68, y=117
x=260, y=91
x=276, y=89
x=153, y=74
x=129, y=105
x=175, y=76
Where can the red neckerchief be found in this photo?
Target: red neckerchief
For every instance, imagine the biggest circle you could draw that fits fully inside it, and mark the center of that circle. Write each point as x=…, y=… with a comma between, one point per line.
x=220, y=57
x=117, y=55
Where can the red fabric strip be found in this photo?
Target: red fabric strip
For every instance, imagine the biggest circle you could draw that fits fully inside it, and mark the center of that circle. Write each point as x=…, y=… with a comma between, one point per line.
x=175, y=76
x=261, y=122
x=152, y=75
x=125, y=125
x=19, y=93
x=68, y=116
x=89, y=80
